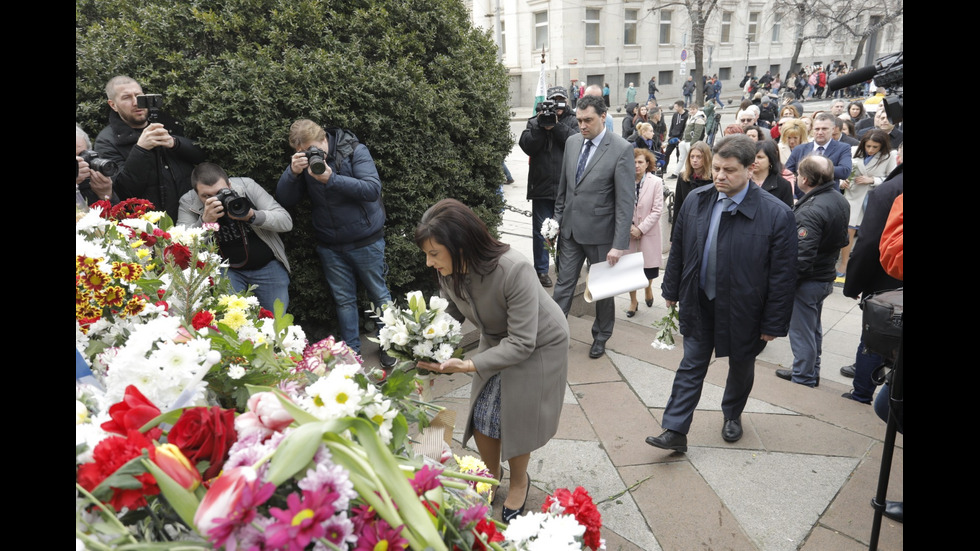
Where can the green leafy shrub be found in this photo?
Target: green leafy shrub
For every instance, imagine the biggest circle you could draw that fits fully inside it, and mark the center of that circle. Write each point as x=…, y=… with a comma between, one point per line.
x=411, y=78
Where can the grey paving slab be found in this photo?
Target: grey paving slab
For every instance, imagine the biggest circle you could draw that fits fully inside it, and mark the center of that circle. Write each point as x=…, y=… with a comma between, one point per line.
x=620, y=420
x=776, y=497
x=683, y=511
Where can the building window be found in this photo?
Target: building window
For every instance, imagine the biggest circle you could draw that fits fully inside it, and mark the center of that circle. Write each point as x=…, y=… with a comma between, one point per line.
x=632, y=77
x=503, y=38
x=725, y=73
x=665, y=78
x=540, y=30
x=753, y=27
x=592, y=27
x=726, y=27
x=777, y=23
x=629, y=32
x=774, y=70
x=665, y=26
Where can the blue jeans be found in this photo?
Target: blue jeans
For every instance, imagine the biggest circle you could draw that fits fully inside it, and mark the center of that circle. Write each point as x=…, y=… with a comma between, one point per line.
x=806, y=332
x=865, y=363
x=272, y=281
x=342, y=270
x=541, y=210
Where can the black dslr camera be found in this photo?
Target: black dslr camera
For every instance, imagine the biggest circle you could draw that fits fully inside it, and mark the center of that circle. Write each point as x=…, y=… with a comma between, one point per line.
x=233, y=203
x=152, y=103
x=547, y=113
x=105, y=166
x=317, y=158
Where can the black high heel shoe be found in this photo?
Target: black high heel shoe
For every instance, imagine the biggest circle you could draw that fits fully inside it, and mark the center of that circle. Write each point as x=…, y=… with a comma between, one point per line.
x=631, y=313
x=510, y=514
x=649, y=300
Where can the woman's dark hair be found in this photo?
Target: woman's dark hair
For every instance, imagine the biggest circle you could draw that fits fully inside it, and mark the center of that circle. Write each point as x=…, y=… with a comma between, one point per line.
x=759, y=131
x=456, y=227
x=878, y=136
x=859, y=104
x=771, y=150
x=850, y=126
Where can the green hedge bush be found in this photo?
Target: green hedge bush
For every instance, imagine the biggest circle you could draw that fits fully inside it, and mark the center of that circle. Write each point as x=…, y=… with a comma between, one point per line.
x=411, y=78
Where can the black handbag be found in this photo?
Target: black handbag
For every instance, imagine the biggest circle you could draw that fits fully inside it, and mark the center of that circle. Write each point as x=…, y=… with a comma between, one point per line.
x=881, y=328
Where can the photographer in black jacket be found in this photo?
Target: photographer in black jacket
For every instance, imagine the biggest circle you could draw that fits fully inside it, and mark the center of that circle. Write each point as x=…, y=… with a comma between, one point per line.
x=544, y=142
x=155, y=162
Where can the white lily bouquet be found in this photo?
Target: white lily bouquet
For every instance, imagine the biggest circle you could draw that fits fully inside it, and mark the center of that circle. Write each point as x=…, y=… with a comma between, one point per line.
x=420, y=332
x=667, y=326
x=549, y=230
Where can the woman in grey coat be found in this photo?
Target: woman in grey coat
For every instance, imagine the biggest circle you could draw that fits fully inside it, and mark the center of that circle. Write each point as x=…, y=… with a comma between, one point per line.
x=520, y=369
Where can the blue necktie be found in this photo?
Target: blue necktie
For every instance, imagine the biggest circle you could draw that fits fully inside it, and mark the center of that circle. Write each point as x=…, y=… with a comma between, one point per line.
x=710, y=276
x=582, y=160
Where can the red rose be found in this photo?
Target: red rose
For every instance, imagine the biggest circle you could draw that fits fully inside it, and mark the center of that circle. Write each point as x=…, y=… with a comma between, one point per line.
x=112, y=453
x=205, y=434
x=202, y=319
x=132, y=413
x=263, y=313
x=178, y=254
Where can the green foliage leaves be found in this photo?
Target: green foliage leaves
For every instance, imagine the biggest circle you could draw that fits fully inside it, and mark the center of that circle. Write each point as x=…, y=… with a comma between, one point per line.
x=411, y=78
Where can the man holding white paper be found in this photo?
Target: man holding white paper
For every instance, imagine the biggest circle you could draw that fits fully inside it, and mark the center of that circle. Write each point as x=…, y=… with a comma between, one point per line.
x=594, y=209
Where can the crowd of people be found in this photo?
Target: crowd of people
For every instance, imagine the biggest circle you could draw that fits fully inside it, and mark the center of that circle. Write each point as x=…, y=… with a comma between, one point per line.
x=759, y=229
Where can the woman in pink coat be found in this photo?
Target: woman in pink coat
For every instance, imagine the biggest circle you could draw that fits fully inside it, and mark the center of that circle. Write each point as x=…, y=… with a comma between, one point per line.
x=645, y=235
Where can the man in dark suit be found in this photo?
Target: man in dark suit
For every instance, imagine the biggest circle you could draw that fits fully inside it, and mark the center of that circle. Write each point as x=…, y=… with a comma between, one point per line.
x=732, y=269
x=825, y=145
x=594, y=208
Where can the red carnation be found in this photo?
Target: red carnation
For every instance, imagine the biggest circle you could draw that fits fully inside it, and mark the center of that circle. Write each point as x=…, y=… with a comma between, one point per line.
x=202, y=319
x=111, y=454
x=488, y=528
x=132, y=413
x=205, y=434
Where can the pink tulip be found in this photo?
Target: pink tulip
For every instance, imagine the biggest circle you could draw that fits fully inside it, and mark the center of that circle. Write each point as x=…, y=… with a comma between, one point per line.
x=223, y=497
x=268, y=408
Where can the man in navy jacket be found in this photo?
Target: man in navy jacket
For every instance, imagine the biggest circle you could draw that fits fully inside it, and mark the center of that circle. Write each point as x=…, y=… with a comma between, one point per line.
x=825, y=145
x=732, y=269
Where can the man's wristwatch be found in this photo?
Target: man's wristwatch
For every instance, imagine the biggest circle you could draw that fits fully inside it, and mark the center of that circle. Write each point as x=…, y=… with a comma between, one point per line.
x=251, y=219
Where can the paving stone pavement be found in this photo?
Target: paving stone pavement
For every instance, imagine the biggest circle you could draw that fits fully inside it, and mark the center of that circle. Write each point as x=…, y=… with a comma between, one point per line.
x=802, y=477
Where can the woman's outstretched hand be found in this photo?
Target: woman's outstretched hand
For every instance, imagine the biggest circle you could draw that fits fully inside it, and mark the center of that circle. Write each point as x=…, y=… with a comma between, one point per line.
x=452, y=365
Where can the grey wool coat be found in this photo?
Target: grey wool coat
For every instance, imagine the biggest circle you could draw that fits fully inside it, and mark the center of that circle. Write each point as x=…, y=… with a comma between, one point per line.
x=524, y=337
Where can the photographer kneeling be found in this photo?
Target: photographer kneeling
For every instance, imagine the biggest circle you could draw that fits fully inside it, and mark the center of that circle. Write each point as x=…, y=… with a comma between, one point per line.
x=243, y=211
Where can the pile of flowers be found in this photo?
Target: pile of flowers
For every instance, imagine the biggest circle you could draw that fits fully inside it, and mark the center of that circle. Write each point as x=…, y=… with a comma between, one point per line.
x=205, y=421
x=419, y=332
x=569, y=521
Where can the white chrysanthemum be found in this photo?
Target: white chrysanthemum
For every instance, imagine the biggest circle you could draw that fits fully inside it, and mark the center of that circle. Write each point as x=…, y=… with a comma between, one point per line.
x=525, y=527
x=185, y=235
x=444, y=352
x=92, y=221
x=333, y=397
x=422, y=349
x=382, y=414
x=294, y=340
x=236, y=371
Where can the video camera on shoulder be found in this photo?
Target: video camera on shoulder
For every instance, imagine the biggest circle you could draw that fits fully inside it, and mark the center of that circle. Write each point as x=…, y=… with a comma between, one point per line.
x=233, y=203
x=152, y=103
x=548, y=113
x=317, y=158
x=105, y=166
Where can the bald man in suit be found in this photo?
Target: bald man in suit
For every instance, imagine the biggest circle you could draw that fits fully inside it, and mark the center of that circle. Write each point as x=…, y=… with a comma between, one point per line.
x=594, y=208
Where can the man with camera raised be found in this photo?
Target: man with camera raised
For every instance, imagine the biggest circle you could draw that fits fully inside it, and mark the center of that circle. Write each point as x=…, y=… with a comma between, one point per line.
x=249, y=223
x=544, y=142
x=93, y=175
x=337, y=173
x=155, y=163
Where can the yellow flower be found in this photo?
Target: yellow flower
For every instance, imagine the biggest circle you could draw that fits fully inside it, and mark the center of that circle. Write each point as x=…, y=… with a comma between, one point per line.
x=152, y=216
x=142, y=254
x=137, y=243
x=235, y=319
